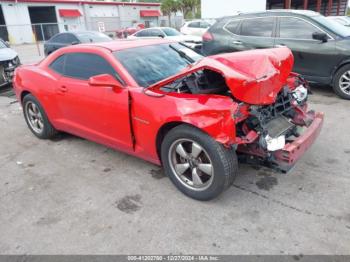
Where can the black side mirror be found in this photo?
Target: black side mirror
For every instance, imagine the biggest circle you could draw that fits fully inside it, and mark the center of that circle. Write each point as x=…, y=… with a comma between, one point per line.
x=75, y=42
x=320, y=36
x=161, y=36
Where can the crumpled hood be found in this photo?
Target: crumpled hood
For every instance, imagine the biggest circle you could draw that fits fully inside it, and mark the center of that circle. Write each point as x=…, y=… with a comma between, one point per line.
x=254, y=77
x=7, y=54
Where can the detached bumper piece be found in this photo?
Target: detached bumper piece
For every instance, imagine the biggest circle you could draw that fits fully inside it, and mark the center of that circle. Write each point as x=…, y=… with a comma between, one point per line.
x=290, y=154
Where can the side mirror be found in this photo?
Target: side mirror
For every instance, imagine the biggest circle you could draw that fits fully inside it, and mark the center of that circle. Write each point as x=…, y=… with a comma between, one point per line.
x=161, y=36
x=320, y=36
x=105, y=80
x=75, y=43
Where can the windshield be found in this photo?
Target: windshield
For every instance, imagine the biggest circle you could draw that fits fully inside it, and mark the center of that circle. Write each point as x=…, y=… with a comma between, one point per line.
x=2, y=44
x=93, y=37
x=151, y=64
x=332, y=26
x=171, y=32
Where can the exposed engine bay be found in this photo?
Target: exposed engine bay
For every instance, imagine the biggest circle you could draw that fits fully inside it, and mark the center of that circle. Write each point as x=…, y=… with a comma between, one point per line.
x=201, y=82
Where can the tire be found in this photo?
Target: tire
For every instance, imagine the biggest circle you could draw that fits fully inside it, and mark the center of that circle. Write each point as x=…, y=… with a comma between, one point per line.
x=45, y=130
x=223, y=163
x=338, y=78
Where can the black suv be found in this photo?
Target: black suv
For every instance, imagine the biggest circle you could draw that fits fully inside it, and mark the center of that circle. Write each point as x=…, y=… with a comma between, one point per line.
x=321, y=47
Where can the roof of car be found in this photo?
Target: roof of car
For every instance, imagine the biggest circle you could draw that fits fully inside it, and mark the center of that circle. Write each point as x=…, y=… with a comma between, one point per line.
x=117, y=45
x=279, y=12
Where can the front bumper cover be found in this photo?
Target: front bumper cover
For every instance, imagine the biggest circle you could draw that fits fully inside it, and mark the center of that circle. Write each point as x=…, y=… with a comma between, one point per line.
x=290, y=154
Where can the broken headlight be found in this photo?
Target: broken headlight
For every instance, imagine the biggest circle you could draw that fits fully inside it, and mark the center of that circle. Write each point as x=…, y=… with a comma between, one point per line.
x=300, y=93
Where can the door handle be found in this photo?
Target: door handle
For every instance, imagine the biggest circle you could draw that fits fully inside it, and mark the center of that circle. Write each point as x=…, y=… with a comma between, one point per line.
x=237, y=42
x=280, y=45
x=63, y=89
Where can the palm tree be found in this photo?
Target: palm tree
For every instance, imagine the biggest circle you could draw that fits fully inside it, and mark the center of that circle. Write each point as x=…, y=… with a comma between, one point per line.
x=168, y=7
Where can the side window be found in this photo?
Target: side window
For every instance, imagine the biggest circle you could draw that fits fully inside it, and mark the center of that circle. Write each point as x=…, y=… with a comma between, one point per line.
x=262, y=27
x=291, y=27
x=155, y=32
x=143, y=33
x=204, y=25
x=194, y=25
x=61, y=38
x=58, y=65
x=71, y=38
x=232, y=26
x=85, y=65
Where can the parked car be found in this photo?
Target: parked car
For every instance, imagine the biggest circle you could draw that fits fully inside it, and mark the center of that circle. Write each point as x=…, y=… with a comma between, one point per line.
x=195, y=27
x=161, y=101
x=194, y=42
x=343, y=20
x=73, y=38
x=321, y=47
x=9, y=60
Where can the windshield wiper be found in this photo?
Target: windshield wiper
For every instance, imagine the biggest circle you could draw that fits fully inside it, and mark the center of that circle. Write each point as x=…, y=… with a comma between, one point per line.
x=182, y=54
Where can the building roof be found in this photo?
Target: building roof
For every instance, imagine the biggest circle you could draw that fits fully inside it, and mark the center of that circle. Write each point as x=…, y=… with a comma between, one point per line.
x=83, y=2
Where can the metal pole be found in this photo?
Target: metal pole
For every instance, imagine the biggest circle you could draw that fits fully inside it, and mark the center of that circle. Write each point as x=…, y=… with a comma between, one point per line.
x=42, y=32
x=330, y=6
x=318, y=5
x=36, y=41
x=287, y=4
x=338, y=7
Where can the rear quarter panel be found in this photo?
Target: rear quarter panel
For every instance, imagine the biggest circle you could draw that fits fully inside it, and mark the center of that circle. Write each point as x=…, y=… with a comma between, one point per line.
x=41, y=84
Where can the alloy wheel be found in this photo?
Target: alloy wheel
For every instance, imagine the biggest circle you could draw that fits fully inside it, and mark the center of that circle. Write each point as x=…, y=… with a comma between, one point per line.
x=344, y=83
x=34, y=117
x=191, y=164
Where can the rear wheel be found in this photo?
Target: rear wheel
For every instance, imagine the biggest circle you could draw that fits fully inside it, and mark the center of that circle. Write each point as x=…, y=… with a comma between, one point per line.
x=199, y=166
x=36, y=118
x=341, y=84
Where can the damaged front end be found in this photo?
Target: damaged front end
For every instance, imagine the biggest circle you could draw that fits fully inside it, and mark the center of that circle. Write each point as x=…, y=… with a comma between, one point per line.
x=279, y=133
x=273, y=125
x=7, y=69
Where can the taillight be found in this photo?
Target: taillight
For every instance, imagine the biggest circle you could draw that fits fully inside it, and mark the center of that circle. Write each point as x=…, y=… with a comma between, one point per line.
x=207, y=37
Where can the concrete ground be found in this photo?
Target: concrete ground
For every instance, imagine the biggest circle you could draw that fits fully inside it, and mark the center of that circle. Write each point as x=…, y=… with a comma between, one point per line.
x=72, y=196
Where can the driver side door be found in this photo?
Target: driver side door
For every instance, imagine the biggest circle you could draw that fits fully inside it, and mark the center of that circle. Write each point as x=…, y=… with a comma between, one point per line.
x=98, y=113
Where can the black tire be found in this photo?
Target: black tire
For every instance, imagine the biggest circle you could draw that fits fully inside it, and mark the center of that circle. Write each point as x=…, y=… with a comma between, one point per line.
x=224, y=162
x=336, y=82
x=48, y=131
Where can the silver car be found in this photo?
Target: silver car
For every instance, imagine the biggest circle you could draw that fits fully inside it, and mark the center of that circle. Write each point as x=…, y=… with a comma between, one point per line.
x=8, y=62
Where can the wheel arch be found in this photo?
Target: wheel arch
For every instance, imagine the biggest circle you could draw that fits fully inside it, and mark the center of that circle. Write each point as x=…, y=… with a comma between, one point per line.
x=163, y=130
x=340, y=66
x=23, y=94
x=219, y=135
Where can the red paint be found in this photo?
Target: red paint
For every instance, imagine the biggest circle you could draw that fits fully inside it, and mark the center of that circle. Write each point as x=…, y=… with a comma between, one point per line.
x=150, y=13
x=69, y=12
x=127, y=119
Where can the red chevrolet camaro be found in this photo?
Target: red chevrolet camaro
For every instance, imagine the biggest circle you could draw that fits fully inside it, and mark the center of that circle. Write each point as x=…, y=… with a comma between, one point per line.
x=161, y=101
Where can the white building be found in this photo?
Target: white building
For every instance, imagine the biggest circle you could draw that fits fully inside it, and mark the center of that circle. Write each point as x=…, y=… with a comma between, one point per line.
x=219, y=8
x=24, y=21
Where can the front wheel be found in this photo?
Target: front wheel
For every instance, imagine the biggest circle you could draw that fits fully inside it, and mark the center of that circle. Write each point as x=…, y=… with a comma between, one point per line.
x=199, y=166
x=341, y=83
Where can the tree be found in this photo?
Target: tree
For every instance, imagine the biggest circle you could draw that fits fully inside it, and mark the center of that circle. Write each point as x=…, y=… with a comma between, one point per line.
x=189, y=7
x=168, y=7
